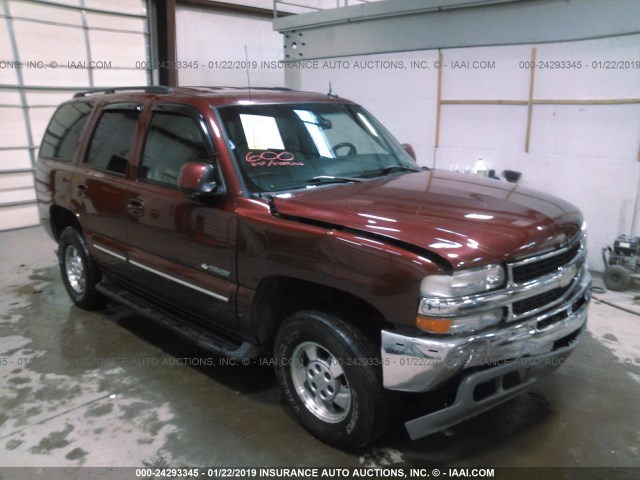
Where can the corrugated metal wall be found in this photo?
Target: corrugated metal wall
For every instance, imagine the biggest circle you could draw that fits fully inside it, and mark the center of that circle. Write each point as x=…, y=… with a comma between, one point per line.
x=48, y=50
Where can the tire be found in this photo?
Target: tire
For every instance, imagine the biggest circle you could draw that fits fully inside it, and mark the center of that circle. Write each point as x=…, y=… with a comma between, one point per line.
x=617, y=278
x=330, y=375
x=80, y=274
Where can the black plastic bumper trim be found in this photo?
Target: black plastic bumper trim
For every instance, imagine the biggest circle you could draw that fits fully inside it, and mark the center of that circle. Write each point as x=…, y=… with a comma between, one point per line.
x=465, y=406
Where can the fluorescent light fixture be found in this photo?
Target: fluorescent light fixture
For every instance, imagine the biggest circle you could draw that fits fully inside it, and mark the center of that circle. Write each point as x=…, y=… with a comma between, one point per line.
x=317, y=135
x=367, y=124
x=478, y=216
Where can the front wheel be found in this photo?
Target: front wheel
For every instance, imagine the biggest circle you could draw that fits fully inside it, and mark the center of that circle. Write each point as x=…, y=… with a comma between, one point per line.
x=79, y=272
x=330, y=375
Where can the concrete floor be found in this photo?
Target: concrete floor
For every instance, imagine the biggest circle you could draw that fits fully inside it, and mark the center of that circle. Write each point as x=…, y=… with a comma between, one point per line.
x=109, y=388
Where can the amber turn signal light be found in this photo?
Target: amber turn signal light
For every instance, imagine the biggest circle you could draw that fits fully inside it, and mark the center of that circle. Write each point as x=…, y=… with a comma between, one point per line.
x=433, y=325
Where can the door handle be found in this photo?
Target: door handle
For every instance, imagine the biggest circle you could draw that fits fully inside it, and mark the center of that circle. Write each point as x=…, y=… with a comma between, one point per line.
x=81, y=190
x=135, y=206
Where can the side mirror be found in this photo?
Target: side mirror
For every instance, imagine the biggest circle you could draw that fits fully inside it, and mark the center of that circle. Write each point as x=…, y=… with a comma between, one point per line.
x=409, y=149
x=199, y=179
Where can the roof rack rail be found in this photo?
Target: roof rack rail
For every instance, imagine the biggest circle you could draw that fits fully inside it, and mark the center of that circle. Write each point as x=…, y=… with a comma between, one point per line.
x=146, y=89
x=284, y=89
x=235, y=87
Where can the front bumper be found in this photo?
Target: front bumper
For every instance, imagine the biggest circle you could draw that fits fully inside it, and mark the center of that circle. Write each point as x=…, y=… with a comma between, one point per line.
x=422, y=364
x=497, y=385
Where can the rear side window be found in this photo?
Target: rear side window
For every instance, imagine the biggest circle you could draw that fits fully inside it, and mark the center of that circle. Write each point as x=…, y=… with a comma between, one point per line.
x=111, y=141
x=64, y=130
x=173, y=140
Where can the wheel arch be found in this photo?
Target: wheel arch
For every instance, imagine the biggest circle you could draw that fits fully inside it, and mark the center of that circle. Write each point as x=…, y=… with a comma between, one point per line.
x=278, y=297
x=61, y=218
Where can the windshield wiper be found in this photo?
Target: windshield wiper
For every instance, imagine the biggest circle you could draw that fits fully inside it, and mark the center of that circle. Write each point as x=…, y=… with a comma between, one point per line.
x=331, y=179
x=404, y=168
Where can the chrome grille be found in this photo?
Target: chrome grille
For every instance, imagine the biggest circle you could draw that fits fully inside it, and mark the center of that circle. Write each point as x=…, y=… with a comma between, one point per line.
x=565, y=263
x=539, y=301
x=526, y=271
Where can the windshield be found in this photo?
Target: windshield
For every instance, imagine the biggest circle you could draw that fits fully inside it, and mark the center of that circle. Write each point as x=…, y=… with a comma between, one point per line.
x=286, y=147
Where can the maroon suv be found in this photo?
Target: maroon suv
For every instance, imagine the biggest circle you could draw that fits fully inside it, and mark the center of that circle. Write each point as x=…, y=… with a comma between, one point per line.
x=292, y=226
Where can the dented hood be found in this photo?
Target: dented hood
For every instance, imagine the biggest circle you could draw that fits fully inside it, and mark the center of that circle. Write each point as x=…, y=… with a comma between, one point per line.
x=465, y=219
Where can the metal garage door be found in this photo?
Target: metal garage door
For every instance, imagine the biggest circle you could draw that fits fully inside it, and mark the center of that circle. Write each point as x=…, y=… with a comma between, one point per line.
x=48, y=50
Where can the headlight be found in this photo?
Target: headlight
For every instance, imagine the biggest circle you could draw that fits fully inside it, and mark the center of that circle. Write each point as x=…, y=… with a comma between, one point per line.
x=438, y=309
x=463, y=282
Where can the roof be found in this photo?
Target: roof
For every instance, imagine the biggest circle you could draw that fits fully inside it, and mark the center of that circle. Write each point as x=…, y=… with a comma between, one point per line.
x=217, y=95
